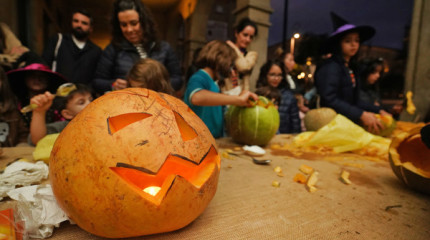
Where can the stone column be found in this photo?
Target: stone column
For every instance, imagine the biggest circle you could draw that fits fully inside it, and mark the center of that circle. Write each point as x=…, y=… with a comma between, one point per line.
x=196, y=28
x=258, y=11
x=418, y=67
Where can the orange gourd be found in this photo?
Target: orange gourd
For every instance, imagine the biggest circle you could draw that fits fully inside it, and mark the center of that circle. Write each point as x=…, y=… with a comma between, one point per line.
x=389, y=125
x=134, y=162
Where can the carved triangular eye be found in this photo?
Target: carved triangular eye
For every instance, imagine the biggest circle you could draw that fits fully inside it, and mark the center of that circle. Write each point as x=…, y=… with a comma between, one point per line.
x=187, y=132
x=117, y=123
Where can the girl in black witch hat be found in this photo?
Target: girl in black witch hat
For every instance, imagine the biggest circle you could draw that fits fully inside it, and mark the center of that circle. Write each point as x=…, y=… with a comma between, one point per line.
x=336, y=79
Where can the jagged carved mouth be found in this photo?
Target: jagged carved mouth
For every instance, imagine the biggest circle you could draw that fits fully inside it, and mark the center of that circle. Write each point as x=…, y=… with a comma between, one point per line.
x=158, y=184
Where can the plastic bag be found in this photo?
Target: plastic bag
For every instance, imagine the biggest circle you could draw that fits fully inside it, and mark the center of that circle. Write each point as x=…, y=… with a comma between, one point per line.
x=44, y=148
x=342, y=135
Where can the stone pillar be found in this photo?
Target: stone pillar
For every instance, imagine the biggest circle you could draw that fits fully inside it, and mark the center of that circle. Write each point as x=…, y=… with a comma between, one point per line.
x=258, y=11
x=418, y=69
x=196, y=28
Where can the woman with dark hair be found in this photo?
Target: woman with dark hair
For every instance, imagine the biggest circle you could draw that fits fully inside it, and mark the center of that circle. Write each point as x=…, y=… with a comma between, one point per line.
x=272, y=74
x=336, y=79
x=134, y=37
x=244, y=32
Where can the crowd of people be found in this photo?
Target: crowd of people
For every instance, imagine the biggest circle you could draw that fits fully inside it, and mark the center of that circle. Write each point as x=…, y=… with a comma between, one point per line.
x=219, y=76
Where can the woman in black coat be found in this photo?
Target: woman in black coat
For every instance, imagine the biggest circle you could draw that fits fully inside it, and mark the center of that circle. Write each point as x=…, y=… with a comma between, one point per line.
x=134, y=37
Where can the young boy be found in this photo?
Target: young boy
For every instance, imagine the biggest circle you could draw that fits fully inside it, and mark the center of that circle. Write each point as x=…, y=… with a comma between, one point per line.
x=68, y=106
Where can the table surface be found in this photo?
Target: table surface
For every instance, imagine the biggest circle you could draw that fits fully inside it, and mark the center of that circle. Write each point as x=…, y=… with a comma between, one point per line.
x=246, y=206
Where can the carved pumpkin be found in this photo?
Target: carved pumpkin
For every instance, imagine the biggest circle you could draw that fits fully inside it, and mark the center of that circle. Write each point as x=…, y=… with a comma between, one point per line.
x=106, y=162
x=410, y=160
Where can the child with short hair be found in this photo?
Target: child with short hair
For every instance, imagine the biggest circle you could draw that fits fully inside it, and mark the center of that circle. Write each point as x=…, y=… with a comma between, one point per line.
x=151, y=74
x=203, y=95
x=68, y=106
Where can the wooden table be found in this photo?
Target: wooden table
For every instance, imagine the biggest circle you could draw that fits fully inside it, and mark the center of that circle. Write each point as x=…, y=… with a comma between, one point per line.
x=246, y=206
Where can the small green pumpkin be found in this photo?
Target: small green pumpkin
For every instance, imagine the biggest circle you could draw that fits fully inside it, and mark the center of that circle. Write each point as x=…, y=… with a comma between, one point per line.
x=253, y=125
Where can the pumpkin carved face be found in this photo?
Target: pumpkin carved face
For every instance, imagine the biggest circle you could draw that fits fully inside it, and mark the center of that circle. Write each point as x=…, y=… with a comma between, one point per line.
x=134, y=162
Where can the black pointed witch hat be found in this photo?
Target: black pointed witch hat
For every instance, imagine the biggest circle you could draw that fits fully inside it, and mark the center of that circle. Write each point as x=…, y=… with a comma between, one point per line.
x=342, y=27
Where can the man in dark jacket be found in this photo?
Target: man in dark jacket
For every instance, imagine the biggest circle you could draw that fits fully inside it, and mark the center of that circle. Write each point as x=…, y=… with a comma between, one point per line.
x=74, y=55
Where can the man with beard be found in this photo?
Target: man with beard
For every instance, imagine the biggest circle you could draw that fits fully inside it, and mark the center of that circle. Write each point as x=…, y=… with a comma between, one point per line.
x=74, y=55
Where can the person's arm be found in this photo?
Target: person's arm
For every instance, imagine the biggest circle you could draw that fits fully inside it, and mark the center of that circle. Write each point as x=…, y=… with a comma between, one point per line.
x=38, y=120
x=328, y=83
x=244, y=63
x=173, y=66
x=208, y=98
x=103, y=77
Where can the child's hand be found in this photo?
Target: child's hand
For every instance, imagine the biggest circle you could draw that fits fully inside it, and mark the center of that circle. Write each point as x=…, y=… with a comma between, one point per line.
x=43, y=101
x=370, y=121
x=246, y=99
x=119, y=84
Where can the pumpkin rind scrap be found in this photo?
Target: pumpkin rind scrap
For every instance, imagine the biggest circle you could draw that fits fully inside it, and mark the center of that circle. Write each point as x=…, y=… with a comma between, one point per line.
x=123, y=143
x=318, y=118
x=410, y=160
x=253, y=125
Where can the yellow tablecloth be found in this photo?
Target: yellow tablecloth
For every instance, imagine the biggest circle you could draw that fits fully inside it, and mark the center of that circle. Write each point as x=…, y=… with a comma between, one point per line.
x=246, y=206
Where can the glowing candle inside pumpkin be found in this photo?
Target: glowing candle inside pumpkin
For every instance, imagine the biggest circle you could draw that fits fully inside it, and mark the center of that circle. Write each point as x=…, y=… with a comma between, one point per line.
x=152, y=190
